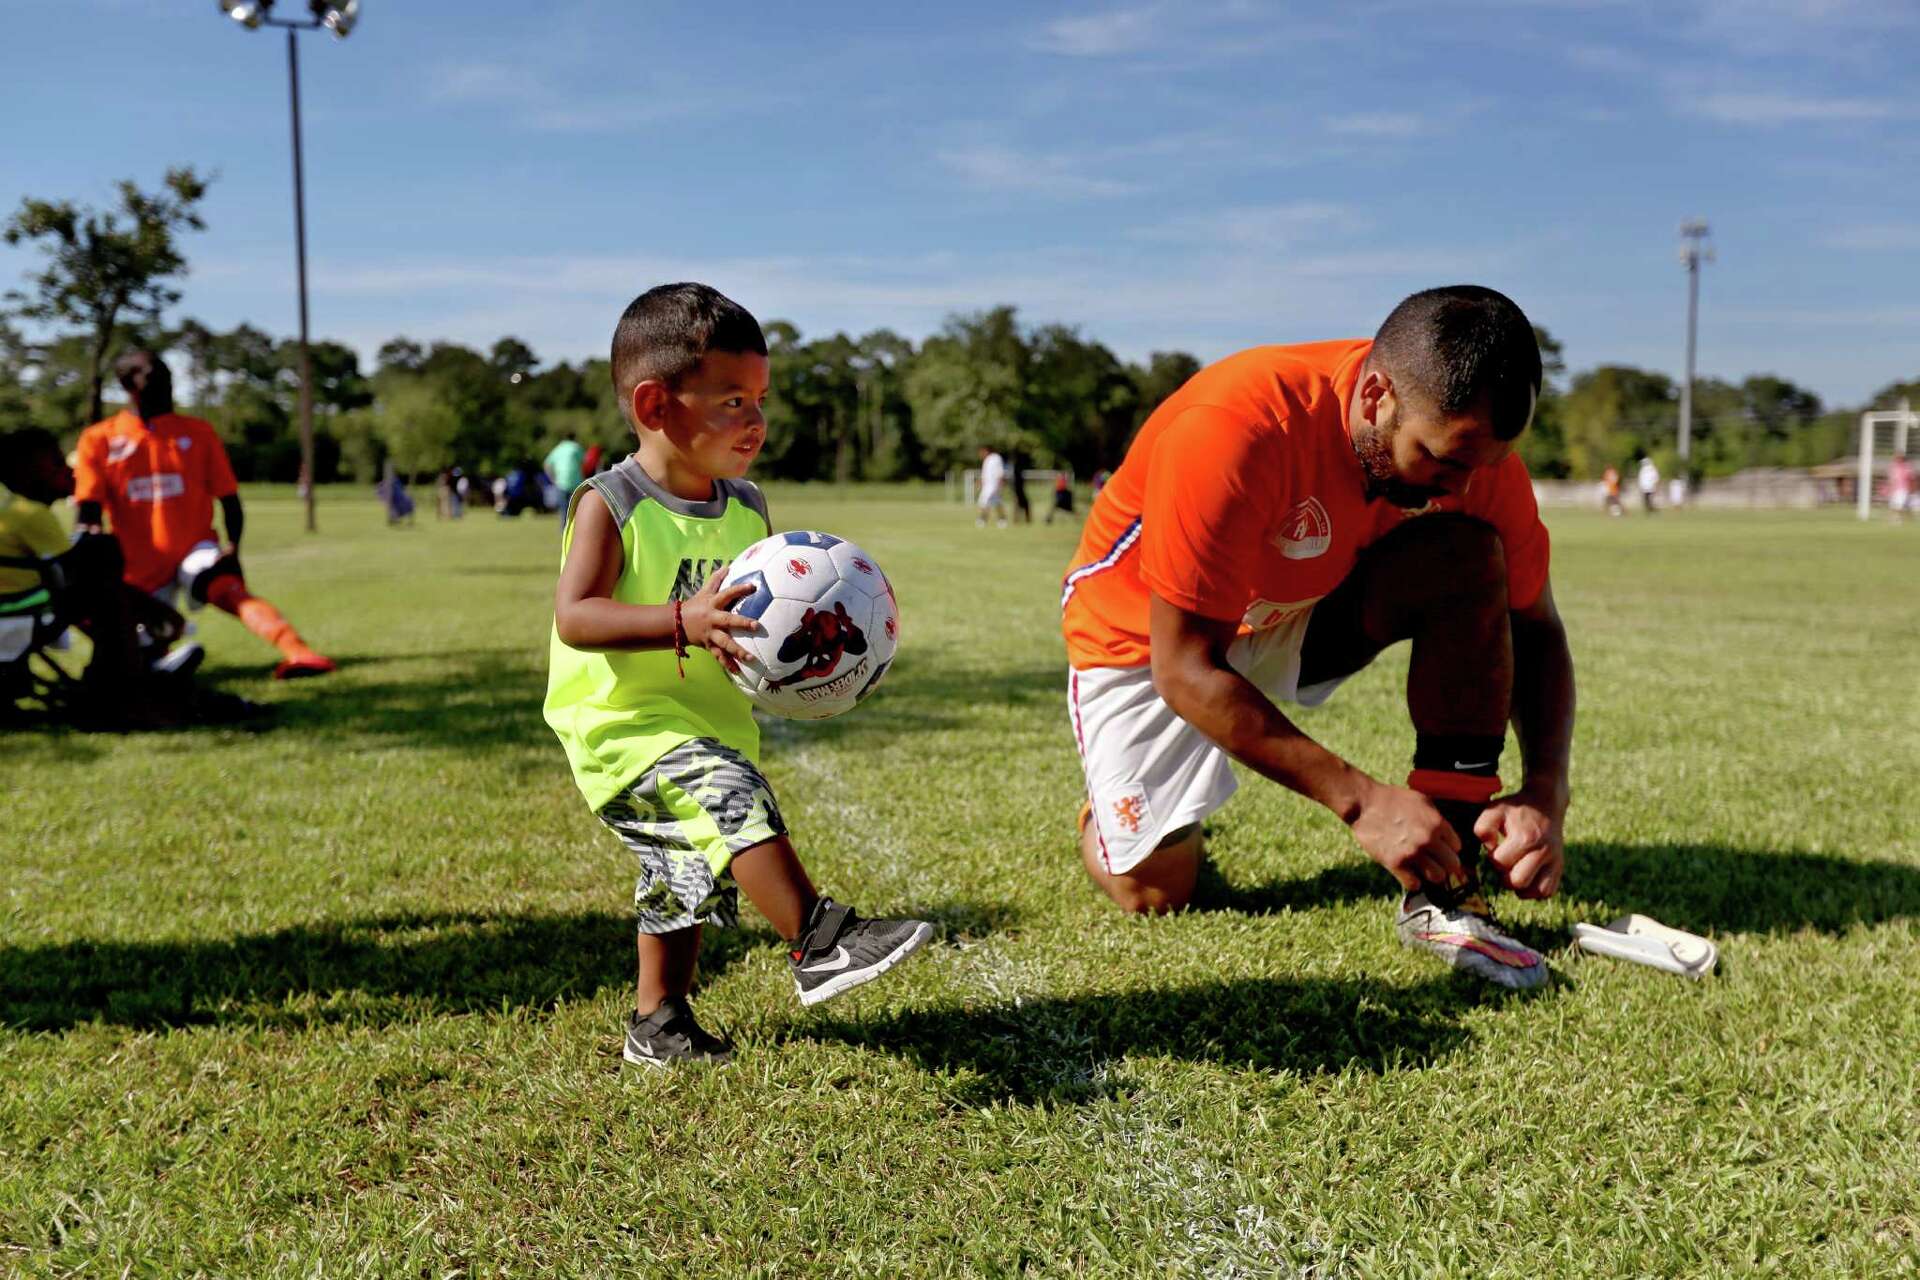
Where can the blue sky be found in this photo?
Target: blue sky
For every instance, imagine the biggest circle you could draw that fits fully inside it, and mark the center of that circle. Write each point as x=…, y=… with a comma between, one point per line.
x=1203, y=175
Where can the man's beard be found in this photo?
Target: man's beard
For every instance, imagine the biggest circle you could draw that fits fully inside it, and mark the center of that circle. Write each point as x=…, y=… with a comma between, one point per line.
x=1374, y=447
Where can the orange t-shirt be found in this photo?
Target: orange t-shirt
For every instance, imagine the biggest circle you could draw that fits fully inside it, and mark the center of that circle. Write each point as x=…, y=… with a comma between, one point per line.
x=157, y=482
x=1241, y=498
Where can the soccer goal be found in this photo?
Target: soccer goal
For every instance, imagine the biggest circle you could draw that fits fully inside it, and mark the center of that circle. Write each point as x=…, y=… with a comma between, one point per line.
x=1039, y=485
x=1888, y=434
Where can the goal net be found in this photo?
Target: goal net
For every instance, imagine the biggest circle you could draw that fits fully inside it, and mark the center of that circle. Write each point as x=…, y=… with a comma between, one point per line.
x=1885, y=434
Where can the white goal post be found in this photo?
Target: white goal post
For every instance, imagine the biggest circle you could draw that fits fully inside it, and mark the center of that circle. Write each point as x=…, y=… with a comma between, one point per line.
x=1899, y=429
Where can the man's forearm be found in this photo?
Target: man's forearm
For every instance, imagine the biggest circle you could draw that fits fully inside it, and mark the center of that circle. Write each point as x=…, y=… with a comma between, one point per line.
x=1220, y=703
x=1543, y=704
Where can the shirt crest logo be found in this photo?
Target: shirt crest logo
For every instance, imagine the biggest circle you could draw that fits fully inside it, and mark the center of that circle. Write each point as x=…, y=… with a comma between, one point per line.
x=1305, y=532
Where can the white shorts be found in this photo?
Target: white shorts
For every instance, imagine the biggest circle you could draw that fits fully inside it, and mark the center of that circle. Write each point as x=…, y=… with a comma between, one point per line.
x=1149, y=772
x=201, y=557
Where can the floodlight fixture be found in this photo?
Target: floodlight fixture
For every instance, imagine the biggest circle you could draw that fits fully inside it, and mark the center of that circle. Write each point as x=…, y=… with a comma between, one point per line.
x=248, y=13
x=337, y=18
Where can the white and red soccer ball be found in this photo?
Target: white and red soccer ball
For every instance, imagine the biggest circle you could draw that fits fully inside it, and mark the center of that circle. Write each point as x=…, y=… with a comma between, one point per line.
x=828, y=624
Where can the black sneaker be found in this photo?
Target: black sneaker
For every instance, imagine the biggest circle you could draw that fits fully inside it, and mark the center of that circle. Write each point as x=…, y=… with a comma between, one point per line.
x=839, y=950
x=669, y=1036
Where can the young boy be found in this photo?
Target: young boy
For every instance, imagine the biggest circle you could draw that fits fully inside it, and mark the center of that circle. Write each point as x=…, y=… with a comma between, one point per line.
x=661, y=742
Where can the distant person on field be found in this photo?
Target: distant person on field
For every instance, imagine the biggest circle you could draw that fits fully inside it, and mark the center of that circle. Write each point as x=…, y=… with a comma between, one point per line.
x=1100, y=479
x=1649, y=483
x=443, y=494
x=519, y=491
x=993, y=479
x=1062, y=497
x=596, y=454
x=1280, y=521
x=153, y=475
x=662, y=743
x=1677, y=492
x=1017, y=482
x=395, y=498
x=1900, y=494
x=461, y=487
x=1610, y=486
x=564, y=465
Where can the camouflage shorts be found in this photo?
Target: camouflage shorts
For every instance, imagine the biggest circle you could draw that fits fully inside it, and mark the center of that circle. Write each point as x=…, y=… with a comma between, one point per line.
x=685, y=819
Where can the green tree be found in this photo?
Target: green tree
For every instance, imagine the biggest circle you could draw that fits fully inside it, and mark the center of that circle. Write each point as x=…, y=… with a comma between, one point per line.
x=891, y=448
x=416, y=424
x=400, y=352
x=104, y=268
x=1613, y=413
x=968, y=387
x=1543, y=447
x=1164, y=373
x=1081, y=399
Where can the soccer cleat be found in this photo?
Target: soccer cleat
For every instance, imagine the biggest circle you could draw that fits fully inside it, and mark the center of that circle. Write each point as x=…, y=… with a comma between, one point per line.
x=181, y=660
x=303, y=664
x=1466, y=937
x=669, y=1036
x=839, y=950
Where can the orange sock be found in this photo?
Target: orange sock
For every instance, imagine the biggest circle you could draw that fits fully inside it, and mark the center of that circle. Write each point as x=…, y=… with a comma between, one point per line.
x=260, y=617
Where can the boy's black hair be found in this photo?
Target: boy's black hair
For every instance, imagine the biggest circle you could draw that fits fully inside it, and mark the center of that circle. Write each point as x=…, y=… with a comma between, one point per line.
x=22, y=446
x=666, y=331
x=1455, y=344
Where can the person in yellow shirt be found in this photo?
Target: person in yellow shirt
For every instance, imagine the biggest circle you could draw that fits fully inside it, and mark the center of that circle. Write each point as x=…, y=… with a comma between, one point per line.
x=82, y=585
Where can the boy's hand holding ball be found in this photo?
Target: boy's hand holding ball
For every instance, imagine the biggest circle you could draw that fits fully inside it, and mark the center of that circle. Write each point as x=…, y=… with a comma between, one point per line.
x=707, y=621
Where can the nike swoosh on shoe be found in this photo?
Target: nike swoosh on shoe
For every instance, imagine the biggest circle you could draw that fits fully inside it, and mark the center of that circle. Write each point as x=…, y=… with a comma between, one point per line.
x=839, y=960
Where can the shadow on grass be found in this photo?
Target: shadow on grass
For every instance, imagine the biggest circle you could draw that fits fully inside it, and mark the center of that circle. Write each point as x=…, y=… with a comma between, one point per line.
x=378, y=971
x=1060, y=1049
x=1706, y=888
x=472, y=701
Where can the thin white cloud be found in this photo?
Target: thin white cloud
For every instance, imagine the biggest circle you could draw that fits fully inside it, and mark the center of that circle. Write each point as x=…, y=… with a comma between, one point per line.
x=1255, y=226
x=1875, y=238
x=1766, y=108
x=1102, y=35
x=1186, y=36
x=1004, y=169
x=564, y=305
x=546, y=103
x=1379, y=124
x=1877, y=317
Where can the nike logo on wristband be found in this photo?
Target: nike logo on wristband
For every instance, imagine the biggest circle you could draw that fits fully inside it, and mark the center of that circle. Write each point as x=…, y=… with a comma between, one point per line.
x=1461, y=766
x=839, y=960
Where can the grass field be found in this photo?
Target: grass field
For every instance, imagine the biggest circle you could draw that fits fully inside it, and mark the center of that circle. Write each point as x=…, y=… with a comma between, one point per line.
x=344, y=997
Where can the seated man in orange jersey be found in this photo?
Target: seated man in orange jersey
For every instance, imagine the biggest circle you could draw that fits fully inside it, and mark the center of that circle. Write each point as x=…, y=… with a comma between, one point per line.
x=155, y=474
x=1279, y=521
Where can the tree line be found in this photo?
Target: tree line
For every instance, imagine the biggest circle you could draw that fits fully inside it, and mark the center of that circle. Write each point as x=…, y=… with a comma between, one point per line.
x=874, y=407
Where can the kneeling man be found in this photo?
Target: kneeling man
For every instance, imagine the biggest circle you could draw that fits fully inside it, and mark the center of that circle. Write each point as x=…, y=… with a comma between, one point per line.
x=155, y=474
x=1278, y=522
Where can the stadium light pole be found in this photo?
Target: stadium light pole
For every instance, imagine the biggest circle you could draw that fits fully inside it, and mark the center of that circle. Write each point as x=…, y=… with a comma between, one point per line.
x=338, y=18
x=1693, y=250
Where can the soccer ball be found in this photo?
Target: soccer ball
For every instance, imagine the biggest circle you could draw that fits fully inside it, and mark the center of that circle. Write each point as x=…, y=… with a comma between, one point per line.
x=828, y=624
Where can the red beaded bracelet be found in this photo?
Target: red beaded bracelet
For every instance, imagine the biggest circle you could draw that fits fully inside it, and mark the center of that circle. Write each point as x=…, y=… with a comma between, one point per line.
x=679, y=641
